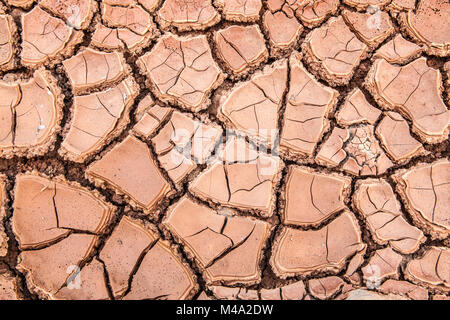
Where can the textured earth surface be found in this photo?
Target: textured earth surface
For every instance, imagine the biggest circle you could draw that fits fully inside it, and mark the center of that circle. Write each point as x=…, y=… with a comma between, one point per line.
x=224, y=149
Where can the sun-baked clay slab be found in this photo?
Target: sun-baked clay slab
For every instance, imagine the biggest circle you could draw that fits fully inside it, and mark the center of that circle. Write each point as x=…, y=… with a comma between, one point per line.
x=376, y=201
x=26, y=4
x=282, y=27
x=252, y=107
x=183, y=143
x=312, y=197
x=394, y=135
x=8, y=36
x=149, y=117
x=97, y=118
x=89, y=283
x=77, y=13
x=364, y=4
x=46, y=38
x=364, y=294
x=133, y=18
x=403, y=288
x=356, y=110
x=398, y=50
x=91, y=69
x=333, y=51
x=3, y=236
x=325, y=288
x=229, y=248
x=233, y=293
x=181, y=70
x=28, y=126
x=133, y=240
x=240, y=48
x=8, y=287
x=50, y=269
x=188, y=15
x=239, y=10
x=298, y=252
x=46, y=210
x=122, y=251
x=106, y=38
x=354, y=150
x=424, y=190
x=315, y=12
x=162, y=275
x=428, y=24
x=399, y=5
x=305, y=118
x=415, y=91
x=126, y=168
x=243, y=183
x=372, y=28
x=293, y=291
x=432, y=269
x=383, y=264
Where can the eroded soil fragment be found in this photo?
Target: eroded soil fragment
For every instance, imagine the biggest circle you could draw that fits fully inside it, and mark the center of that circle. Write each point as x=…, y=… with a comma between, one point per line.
x=8, y=287
x=415, y=91
x=126, y=168
x=293, y=291
x=127, y=25
x=429, y=25
x=181, y=70
x=7, y=39
x=149, y=116
x=77, y=13
x=29, y=126
x=372, y=28
x=305, y=118
x=432, y=269
x=97, y=118
x=424, y=190
x=239, y=10
x=315, y=12
x=50, y=269
x=252, y=107
x=298, y=252
x=398, y=50
x=46, y=210
x=394, y=135
x=325, y=288
x=243, y=180
x=356, y=110
x=91, y=69
x=134, y=255
x=281, y=26
x=311, y=197
x=375, y=199
x=229, y=248
x=240, y=48
x=188, y=14
x=355, y=150
x=132, y=17
x=183, y=143
x=334, y=52
x=404, y=288
x=46, y=38
x=382, y=265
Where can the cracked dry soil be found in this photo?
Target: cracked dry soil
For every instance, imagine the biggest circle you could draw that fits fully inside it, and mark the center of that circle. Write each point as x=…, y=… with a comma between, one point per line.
x=224, y=149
